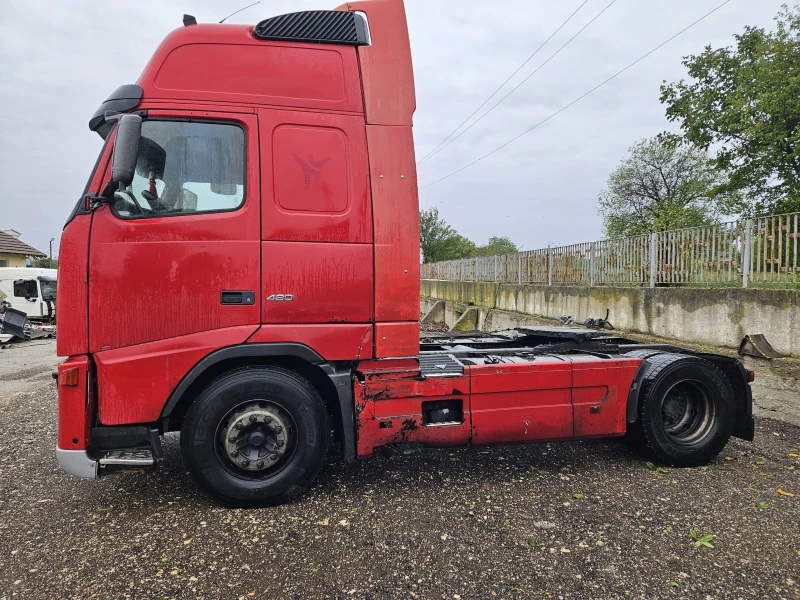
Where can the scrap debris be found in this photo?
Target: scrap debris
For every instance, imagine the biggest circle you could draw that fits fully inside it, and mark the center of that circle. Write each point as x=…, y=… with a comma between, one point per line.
x=599, y=323
x=758, y=346
x=15, y=324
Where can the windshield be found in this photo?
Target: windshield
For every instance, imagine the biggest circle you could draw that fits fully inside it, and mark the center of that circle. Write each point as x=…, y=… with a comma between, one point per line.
x=48, y=289
x=186, y=167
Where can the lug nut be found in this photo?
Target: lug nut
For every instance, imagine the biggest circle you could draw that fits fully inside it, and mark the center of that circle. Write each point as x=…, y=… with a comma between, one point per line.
x=253, y=418
x=267, y=419
x=238, y=426
x=260, y=464
x=232, y=439
x=273, y=457
x=279, y=444
x=235, y=453
x=245, y=463
x=278, y=429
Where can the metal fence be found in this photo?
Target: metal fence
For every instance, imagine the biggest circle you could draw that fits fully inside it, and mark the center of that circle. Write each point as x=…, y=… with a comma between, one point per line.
x=762, y=252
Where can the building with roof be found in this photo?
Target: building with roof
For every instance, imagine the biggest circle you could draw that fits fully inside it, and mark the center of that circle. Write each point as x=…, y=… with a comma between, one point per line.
x=14, y=252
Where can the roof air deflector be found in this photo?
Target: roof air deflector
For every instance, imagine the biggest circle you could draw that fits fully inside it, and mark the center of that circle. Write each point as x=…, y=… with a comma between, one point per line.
x=316, y=26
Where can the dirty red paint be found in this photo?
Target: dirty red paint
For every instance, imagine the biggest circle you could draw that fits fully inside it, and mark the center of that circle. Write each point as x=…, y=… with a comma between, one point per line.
x=328, y=283
x=396, y=339
x=603, y=384
x=315, y=185
x=75, y=406
x=402, y=367
x=225, y=64
x=330, y=341
x=387, y=74
x=396, y=216
x=522, y=402
x=134, y=383
x=72, y=296
x=547, y=399
x=395, y=398
x=159, y=278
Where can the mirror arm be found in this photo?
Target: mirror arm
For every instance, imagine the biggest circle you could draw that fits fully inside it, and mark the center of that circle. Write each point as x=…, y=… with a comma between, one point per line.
x=112, y=116
x=107, y=193
x=93, y=201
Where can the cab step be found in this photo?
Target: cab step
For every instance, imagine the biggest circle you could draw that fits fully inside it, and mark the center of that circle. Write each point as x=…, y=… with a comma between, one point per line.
x=136, y=460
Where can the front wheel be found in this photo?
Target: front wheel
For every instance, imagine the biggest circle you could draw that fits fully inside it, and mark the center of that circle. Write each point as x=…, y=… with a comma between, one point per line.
x=255, y=437
x=686, y=410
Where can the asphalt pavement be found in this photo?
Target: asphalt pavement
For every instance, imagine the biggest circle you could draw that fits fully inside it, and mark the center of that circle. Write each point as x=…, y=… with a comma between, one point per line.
x=561, y=521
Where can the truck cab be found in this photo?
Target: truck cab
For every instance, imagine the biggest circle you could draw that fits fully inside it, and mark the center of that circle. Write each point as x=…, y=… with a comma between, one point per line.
x=243, y=267
x=30, y=290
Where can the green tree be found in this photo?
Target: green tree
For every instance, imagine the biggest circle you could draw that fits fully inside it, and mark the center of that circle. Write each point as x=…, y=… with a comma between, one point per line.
x=662, y=185
x=742, y=102
x=439, y=241
x=497, y=245
x=45, y=263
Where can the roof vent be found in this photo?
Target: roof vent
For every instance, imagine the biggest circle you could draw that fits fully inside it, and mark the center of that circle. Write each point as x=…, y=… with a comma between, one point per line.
x=320, y=26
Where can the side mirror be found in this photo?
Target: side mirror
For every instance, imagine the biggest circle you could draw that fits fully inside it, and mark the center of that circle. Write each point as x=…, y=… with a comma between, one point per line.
x=126, y=149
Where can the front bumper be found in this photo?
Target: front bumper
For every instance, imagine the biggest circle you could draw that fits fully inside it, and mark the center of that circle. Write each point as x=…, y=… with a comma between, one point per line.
x=77, y=463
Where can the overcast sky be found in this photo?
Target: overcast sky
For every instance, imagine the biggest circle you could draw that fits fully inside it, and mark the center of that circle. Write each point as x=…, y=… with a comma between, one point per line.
x=60, y=59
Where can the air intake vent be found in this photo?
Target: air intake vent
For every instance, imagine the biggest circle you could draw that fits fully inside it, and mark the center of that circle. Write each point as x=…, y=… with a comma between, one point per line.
x=440, y=365
x=321, y=26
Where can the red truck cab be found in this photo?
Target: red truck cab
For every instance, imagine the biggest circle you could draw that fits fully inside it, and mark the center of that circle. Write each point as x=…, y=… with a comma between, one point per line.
x=243, y=267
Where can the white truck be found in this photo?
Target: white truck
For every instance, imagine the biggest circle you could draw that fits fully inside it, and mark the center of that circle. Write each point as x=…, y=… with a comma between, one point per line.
x=32, y=291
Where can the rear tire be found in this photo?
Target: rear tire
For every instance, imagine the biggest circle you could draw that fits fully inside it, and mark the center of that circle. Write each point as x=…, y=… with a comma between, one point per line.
x=686, y=411
x=255, y=437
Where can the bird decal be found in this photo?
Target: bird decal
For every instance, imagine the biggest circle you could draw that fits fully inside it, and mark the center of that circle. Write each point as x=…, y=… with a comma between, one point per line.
x=311, y=169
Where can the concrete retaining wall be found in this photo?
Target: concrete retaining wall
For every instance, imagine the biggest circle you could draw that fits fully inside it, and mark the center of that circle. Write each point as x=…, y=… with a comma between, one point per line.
x=718, y=317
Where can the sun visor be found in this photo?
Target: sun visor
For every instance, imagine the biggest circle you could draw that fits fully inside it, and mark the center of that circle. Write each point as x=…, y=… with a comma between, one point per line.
x=124, y=98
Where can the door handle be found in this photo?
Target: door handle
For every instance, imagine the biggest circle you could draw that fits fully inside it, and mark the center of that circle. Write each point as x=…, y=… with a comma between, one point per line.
x=233, y=297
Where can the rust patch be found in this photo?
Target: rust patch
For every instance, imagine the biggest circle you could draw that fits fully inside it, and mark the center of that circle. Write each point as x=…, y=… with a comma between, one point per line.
x=408, y=428
x=410, y=425
x=382, y=394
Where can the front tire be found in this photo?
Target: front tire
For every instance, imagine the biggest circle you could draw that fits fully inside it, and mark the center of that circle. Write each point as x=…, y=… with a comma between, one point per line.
x=686, y=410
x=255, y=437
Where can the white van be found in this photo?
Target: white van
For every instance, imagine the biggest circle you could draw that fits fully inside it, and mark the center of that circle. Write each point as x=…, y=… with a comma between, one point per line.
x=33, y=291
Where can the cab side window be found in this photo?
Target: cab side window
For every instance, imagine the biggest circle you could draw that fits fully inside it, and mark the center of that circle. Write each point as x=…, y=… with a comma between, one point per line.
x=185, y=168
x=26, y=288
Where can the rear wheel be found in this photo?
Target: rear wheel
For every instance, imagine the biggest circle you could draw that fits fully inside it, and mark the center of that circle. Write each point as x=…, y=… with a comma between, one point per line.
x=686, y=410
x=255, y=437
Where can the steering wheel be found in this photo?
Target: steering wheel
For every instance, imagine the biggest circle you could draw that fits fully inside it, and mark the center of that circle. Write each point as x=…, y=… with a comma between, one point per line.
x=134, y=204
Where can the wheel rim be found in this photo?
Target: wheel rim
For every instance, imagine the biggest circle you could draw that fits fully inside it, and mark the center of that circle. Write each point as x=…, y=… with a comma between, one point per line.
x=256, y=439
x=687, y=413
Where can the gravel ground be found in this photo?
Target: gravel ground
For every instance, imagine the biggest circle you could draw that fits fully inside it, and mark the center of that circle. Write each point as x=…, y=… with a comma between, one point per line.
x=573, y=520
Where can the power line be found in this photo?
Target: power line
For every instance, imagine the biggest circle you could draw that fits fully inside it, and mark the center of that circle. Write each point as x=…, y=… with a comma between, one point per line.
x=527, y=60
x=240, y=10
x=597, y=87
x=552, y=56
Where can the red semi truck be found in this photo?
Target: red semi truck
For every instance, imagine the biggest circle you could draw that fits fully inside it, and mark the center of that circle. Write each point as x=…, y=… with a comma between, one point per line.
x=243, y=267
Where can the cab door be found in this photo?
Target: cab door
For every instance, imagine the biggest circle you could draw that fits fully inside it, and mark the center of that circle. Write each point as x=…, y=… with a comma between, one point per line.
x=178, y=252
